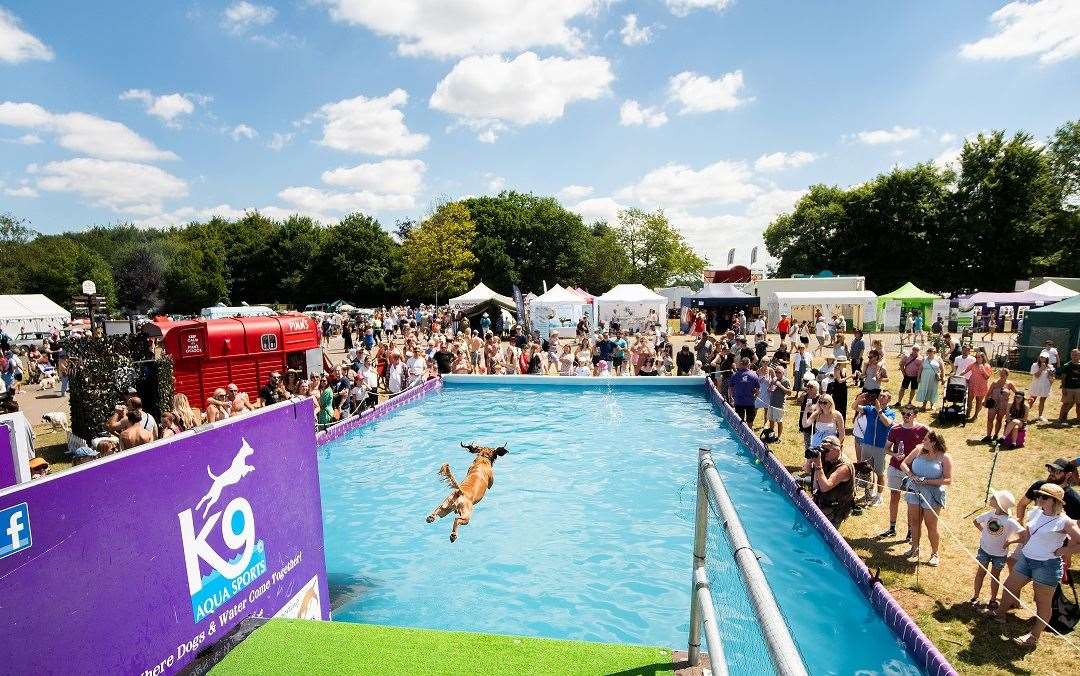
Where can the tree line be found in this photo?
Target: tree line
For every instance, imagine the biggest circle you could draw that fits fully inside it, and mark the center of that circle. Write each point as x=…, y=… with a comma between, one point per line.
x=512, y=238
x=1007, y=209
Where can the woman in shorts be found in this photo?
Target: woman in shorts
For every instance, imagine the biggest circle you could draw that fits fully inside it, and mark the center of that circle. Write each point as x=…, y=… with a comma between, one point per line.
x=998, y=397
x=1040, y=559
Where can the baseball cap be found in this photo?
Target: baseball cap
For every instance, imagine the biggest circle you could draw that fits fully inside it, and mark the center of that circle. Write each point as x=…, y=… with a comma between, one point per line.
x=1061, y=465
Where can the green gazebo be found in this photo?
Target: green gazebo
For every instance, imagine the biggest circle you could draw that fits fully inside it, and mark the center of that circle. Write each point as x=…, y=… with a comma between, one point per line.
x=1059, y=322
x=911, y=297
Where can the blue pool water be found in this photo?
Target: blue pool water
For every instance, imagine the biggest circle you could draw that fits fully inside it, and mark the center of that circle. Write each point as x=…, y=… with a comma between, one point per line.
x=587, y=532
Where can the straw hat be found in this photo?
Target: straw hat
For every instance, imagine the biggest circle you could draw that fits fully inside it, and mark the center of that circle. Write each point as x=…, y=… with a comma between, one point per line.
x=1052, y=491
x=841, y=359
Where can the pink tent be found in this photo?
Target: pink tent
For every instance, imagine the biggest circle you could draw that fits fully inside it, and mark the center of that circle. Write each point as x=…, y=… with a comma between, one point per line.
x=584, y=294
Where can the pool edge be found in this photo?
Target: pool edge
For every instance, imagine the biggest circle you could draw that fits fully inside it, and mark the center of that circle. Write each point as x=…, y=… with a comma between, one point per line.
x=379, y=411
x=918, y=645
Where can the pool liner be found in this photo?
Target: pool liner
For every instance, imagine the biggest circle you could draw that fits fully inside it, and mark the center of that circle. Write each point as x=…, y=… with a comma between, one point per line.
x=379, y=411
x=918, y=645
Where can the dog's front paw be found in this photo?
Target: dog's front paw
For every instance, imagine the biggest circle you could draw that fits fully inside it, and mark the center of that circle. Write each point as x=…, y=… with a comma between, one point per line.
x=430, y=518
x=453, y=537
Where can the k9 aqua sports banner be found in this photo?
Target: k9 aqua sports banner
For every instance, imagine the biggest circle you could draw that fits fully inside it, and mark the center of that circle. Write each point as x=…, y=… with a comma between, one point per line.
x=134, y=564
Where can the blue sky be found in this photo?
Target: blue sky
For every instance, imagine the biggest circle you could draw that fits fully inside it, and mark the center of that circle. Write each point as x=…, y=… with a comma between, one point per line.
x=719, y=111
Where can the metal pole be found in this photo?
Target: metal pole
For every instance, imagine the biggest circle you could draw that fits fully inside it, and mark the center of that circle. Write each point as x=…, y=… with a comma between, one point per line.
x=701, y=525
x=785, y=655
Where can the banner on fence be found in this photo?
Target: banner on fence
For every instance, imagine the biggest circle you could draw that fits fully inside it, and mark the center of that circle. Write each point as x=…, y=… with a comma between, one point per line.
x=135, y=563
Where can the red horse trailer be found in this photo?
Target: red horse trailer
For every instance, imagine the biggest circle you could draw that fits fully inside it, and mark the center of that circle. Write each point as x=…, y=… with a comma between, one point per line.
x=208, y=354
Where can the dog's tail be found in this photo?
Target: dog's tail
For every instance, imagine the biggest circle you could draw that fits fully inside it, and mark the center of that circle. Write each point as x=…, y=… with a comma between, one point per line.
x=212, y=477
x=448, y=476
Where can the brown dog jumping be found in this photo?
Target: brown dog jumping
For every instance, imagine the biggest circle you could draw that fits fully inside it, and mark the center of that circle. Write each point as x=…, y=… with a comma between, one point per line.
x=463, y=496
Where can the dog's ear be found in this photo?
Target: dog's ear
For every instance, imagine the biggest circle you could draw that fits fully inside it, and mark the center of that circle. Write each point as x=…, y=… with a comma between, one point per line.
x=468, y=447
x=501, y=451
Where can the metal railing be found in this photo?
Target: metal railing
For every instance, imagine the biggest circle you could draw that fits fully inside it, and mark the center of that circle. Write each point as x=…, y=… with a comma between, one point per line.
x=785, y=655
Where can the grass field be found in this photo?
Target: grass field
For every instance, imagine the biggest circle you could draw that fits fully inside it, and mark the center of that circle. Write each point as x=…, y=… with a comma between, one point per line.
x=304, y=647
x=935, y=597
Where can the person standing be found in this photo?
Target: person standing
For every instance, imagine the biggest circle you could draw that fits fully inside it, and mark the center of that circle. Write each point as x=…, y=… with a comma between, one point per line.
x=931, y=377
x=779, y=388
x=742, y=390
x=783, y=326
x=902, y=438
x=1042, y=376
x=998, y=397
x=1070, y=386
x=821, y=331
x=979, y=382
x=928, y=468
x=879, y=421
x=858, y=348
x=1041, y=559
x=996, y=528
x=910, y=369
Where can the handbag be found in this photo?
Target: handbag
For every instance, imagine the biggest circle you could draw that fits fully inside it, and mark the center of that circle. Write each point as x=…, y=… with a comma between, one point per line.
x=989, y=403
x=1064, y=614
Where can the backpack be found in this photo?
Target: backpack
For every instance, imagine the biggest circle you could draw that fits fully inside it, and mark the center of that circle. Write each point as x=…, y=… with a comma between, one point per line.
x=1064, y=614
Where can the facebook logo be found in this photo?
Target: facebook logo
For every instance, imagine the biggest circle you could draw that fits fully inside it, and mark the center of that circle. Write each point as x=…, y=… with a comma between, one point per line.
x=15, y=524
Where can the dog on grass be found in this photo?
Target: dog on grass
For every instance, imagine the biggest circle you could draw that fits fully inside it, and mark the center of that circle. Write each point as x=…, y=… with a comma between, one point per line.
x=58, y=420
x=464, y=496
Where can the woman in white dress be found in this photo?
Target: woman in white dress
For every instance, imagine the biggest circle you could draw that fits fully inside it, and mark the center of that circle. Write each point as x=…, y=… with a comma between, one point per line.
x=1042, y=374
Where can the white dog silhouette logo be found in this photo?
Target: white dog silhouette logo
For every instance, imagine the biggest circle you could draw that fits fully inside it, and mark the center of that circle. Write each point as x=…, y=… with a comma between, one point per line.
x=235, y=472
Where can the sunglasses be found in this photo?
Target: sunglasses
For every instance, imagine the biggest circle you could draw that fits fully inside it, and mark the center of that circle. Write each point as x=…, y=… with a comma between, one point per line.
x=908, y=414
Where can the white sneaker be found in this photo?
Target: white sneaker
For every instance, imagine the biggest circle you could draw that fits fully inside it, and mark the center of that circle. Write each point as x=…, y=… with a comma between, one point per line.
x=876, y=502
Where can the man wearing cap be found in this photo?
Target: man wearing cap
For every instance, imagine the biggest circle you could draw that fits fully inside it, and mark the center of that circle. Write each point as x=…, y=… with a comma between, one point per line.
x=902, y=438
x=832, y=479
x=1058, y=473
x=879, y=421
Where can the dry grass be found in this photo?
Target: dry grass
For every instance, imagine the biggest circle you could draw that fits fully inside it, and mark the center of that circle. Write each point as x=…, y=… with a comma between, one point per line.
x=935, y=597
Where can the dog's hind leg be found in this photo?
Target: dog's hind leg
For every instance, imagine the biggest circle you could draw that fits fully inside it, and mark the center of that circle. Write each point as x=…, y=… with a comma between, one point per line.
x=462, y=520
x=444, y=508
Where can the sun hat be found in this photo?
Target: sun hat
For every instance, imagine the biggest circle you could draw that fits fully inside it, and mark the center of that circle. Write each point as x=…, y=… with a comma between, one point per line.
x=830, y=356
x=1052, y=491
x=38, y=462
x=841, y=359
x=1005, y=499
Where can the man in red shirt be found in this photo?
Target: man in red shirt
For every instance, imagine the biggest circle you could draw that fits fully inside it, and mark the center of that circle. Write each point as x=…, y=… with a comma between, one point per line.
x=901, y=440
x=782, y=326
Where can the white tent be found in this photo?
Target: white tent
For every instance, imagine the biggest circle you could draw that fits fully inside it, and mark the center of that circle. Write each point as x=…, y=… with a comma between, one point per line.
x=629, y=305
x=861, y=306
x=1053, y=290
x=567, y=306
x=31, y=312
x=481, y=294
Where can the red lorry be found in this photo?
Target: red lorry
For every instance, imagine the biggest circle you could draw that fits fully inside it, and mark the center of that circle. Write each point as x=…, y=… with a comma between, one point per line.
x=212, y=353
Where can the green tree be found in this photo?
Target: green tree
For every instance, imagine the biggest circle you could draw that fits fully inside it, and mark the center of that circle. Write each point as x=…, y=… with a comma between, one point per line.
x=248, y=254
x=57, y=265
x=195, y=275
x=358, y=261
x=438, y=255
x=1064, y=153
x=138, y=281
x=526, y=240
x=289, y=258
x=606, y=263
x=656, y=253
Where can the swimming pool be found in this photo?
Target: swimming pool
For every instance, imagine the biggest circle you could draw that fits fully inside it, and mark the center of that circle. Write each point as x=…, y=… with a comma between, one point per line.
x=587, y=531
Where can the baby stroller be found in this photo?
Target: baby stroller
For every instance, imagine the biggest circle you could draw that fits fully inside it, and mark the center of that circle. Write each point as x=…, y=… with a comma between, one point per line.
x=954, y=406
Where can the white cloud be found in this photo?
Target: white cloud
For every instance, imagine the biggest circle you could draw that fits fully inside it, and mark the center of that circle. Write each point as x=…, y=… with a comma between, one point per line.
x=25, y=140
x=402, y=177
x=495, y=183
x=491, y=134
x=374, y=126
x=1049, y=28
x=188, y=214
x=573, y=193
x=897, y=134
x=464, y=27
x=167, y=107
x=949, y=158
x=21, y=191
x=16, y=45
x=684, y=7
x=598, y=209
x=485, y=92
x=702, y=94
x=278, y=141
x=84, y=133
x=240, y=16
x=316, y=200
x=780, y=160
x=947, y=137
x=125, y=187
x=631, y=113
x=632, y=34
x=679, y=185
x=242, y=131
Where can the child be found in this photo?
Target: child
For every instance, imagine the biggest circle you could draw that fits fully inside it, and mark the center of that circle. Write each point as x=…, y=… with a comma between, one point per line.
x=996, y=526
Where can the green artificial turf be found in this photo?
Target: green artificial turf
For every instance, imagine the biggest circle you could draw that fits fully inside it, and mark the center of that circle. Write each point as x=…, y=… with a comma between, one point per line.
x=306, y=647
